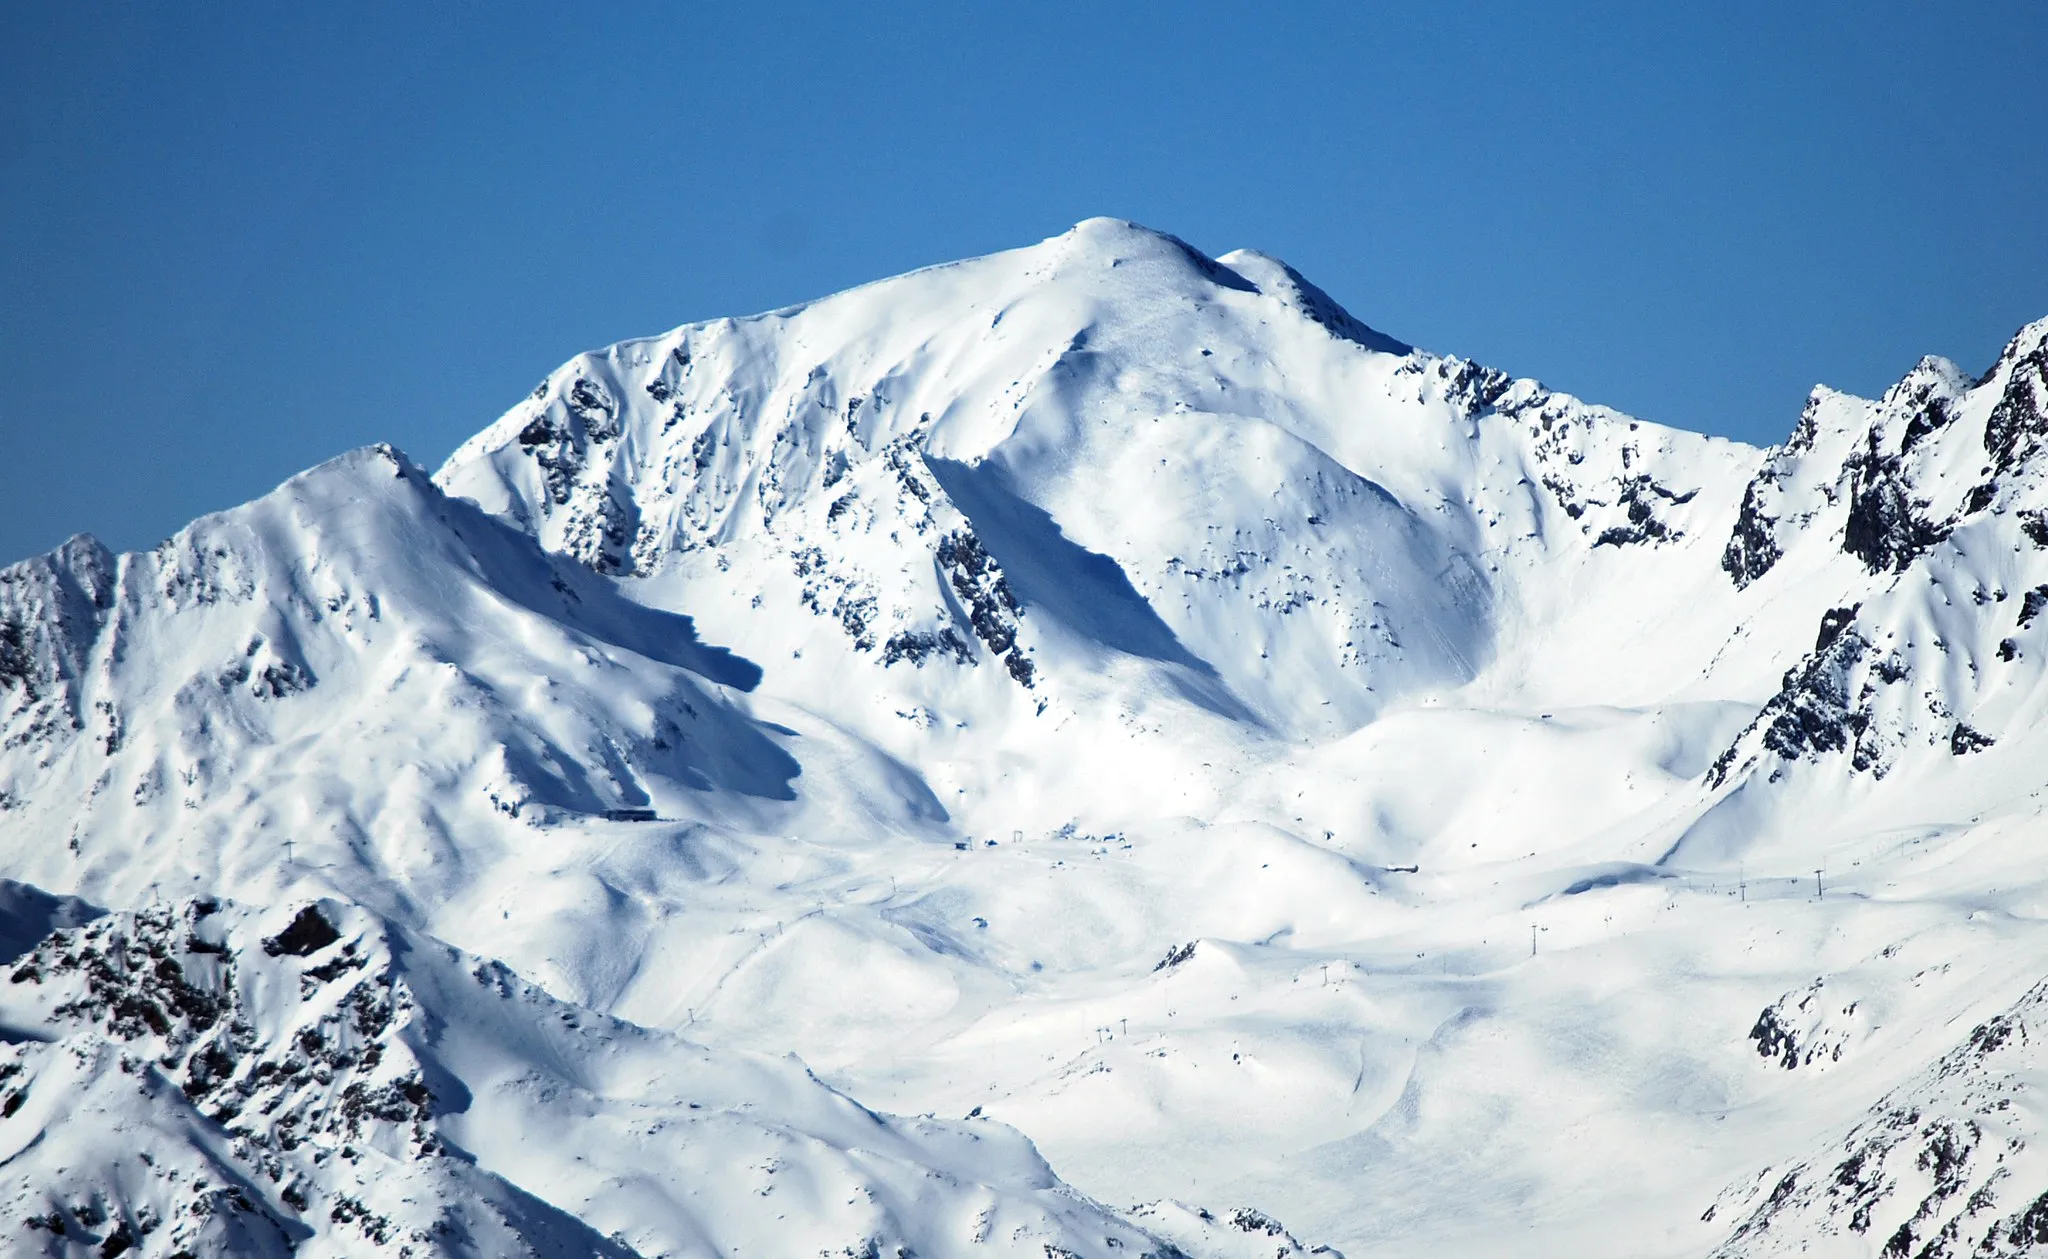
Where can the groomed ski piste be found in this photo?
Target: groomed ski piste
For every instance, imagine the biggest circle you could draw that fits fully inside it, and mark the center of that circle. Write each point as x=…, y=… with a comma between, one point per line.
x=1088, y=751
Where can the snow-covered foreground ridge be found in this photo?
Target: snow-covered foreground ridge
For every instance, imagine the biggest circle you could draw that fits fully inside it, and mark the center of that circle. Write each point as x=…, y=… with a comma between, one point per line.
x=1096, y=692
x=185, y=1082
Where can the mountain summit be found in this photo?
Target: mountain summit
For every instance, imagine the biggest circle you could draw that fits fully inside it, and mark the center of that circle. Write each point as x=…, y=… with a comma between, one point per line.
x=1100, y=691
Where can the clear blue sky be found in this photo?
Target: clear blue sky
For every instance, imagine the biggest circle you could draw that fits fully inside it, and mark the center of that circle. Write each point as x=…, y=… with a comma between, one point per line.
x=236, y=240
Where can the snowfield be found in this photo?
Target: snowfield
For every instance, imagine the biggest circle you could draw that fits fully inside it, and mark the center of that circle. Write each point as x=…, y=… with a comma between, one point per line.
x=1148, y=735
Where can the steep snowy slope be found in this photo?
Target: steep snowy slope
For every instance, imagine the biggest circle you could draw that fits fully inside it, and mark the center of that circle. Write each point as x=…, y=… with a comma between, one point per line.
x=1116, y=692
x=1204, y=467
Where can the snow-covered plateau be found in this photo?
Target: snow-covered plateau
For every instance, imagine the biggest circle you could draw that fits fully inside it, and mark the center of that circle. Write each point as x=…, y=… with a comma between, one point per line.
x=1090, y=751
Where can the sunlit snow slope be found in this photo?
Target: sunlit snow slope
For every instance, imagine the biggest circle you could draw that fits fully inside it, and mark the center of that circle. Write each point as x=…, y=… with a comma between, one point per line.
x=1108, y=691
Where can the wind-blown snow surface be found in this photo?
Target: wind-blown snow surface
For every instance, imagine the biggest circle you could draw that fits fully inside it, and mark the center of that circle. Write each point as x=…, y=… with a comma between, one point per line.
x=1116, y=693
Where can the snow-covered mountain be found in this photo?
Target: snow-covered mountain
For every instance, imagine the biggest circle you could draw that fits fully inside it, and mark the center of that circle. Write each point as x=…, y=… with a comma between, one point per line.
x=1096, y=689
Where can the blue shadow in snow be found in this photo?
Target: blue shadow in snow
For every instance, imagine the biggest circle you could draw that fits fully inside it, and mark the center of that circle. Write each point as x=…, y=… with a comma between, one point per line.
x=1620, y=874
x=28, y=913
x=562, y=590
x=1086, y=591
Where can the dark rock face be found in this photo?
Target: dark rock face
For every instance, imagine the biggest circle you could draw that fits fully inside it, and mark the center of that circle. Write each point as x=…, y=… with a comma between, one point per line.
x=1605, y=492
x=992, y=609
x=1832, y=623
x=1820, y=710
x=2018, y=422
x=308, y=933
x=1935, y=414
x=578, y=431
x=1818, y=714
x=1966, y=740
x=1639, y=494
x=1803, y=1029
x=981, y=587
x=1934, y=1168
x=1474, y=386
x=1752, y=547
x=52, y=609
x=1774, y=1040
x=17, y=665
x=2031, y=605
x=1886, y=528
x=917, y=646
x=166, y=998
